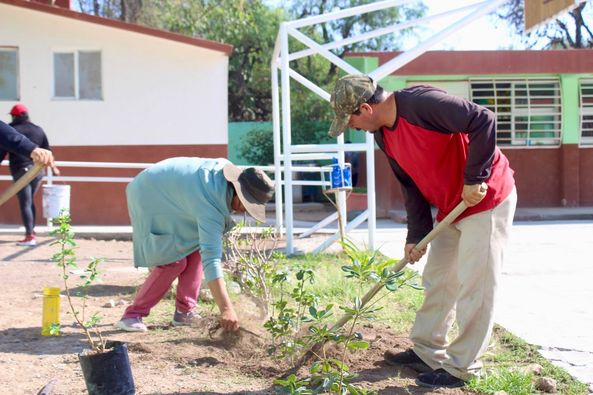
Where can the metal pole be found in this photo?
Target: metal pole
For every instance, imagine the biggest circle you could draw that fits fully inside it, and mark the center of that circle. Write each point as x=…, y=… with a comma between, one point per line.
x=371, y=201
x=285, y=80
x=277, y=146
x=379, y=32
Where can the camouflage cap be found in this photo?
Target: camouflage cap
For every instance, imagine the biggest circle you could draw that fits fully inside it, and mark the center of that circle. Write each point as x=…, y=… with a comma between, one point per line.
x=349, y=93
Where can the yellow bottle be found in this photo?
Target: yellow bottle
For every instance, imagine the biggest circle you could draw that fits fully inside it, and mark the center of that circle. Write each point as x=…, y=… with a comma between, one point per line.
x=51, y=310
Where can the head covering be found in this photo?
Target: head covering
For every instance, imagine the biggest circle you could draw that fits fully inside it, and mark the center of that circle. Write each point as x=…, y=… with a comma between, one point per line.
x=254, y=188
x=349, y=93
x=18, y=110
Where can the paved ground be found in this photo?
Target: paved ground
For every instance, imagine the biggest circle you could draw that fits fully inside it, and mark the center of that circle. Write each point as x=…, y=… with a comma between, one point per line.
x=546, y=292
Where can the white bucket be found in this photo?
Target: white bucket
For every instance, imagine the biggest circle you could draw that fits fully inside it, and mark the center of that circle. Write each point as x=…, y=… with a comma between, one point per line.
x=55, y=199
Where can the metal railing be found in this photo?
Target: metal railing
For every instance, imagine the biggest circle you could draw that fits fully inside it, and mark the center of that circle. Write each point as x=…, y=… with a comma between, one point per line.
x=50, y=178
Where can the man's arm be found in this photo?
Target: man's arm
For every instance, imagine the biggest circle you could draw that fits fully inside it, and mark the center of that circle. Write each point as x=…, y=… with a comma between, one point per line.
x=13, y=141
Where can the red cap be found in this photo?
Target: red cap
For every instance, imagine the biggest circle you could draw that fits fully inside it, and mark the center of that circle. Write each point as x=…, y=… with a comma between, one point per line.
x=18, y=109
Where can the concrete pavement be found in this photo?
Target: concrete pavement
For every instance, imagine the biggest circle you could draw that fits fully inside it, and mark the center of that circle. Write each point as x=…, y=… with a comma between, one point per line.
x=546, y=294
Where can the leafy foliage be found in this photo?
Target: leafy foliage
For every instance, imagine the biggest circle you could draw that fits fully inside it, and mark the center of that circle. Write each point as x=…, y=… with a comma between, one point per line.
x=124, y=10
x=300, y=305
x=251, y=27
x=65, y=259
x=257, y=146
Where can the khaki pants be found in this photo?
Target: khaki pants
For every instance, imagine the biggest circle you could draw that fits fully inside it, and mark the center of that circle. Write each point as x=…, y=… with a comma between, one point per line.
x=460, y=282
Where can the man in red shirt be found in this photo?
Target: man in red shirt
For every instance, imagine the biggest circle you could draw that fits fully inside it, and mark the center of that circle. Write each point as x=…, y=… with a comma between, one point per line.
x=442, y=149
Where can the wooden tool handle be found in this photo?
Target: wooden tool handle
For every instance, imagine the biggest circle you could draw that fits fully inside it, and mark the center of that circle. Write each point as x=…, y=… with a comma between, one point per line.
x=448, y=220
x=20, y=183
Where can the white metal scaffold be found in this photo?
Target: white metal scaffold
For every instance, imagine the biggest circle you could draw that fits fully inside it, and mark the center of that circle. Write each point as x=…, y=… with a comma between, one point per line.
x=285, y=153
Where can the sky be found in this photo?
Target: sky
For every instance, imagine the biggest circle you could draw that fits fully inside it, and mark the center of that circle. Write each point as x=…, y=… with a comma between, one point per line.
x=486, y=33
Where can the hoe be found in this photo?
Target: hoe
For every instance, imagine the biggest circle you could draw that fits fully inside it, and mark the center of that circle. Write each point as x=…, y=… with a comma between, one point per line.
x=313, y=349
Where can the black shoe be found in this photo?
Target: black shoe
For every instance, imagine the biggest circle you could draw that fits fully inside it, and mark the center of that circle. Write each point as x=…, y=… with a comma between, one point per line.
x=407, y=358
x=439, y=378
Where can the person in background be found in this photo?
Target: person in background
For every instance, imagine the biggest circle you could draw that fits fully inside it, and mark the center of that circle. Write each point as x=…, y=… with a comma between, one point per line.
x=20, y=164
x=180, y=208
x=14, y=142
x=442, y=149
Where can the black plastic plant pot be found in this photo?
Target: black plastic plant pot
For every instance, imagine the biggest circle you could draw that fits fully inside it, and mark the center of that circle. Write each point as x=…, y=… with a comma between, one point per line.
x=108, y=373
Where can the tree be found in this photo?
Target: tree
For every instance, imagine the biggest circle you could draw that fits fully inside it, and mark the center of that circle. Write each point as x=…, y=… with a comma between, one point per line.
x=249, y=25
x=124, y=10
x=325, y=73
x=569, y=30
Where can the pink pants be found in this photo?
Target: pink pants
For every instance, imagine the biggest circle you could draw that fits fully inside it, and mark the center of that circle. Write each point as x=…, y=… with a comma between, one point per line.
x=189, y=272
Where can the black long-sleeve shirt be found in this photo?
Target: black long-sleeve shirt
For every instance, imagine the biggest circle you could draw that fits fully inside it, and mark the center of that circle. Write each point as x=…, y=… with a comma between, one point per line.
x=14, y=142
x=438, y=144
x=33, y=133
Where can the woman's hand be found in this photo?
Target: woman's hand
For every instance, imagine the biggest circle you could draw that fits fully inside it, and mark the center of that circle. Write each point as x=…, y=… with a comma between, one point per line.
x=228, y=318
x=229, y=321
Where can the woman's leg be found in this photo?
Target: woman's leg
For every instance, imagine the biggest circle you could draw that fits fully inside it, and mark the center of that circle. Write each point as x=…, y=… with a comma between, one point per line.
x=188, y=286
x=154, y=288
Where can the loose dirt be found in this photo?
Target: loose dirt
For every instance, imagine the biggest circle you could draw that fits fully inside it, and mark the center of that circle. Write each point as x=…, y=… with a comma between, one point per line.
x=165, y=360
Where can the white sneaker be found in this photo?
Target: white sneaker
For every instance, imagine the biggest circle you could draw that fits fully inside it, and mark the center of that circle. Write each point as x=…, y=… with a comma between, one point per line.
x=134, y=324
x=28, y=241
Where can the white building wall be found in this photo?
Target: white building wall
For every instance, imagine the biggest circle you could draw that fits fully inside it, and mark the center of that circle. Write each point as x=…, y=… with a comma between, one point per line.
x=155, y=91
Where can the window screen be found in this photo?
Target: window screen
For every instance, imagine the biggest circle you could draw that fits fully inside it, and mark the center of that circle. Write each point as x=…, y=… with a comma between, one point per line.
x=64, y=75
x=9, y=74
x=528, y=111
x=77, y=75
x=89, y=75
x=586, y=99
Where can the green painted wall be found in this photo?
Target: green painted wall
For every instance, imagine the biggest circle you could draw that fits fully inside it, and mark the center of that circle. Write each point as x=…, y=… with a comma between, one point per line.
x=236, y=131
x=571, y=128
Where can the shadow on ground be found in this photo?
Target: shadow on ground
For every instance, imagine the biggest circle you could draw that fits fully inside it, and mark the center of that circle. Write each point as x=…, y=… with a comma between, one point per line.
x=30, y=341
x=25, y=250
x=102, y=290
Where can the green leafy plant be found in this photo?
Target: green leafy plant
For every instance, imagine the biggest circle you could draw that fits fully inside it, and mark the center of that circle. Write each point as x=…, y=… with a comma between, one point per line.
x=65, y=259
x=328, y=374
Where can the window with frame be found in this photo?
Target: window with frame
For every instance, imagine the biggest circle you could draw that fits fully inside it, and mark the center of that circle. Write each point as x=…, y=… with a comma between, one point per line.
x=586, y=100
x=9, y=74
x=77, y=75
x=528, y=111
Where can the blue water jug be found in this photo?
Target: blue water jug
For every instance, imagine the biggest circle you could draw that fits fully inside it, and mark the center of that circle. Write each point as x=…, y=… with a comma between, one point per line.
x=347, y=176
x=336, y=174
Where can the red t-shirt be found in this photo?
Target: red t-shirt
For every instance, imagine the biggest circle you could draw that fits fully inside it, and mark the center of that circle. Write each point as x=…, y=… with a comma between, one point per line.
x=442, y=142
